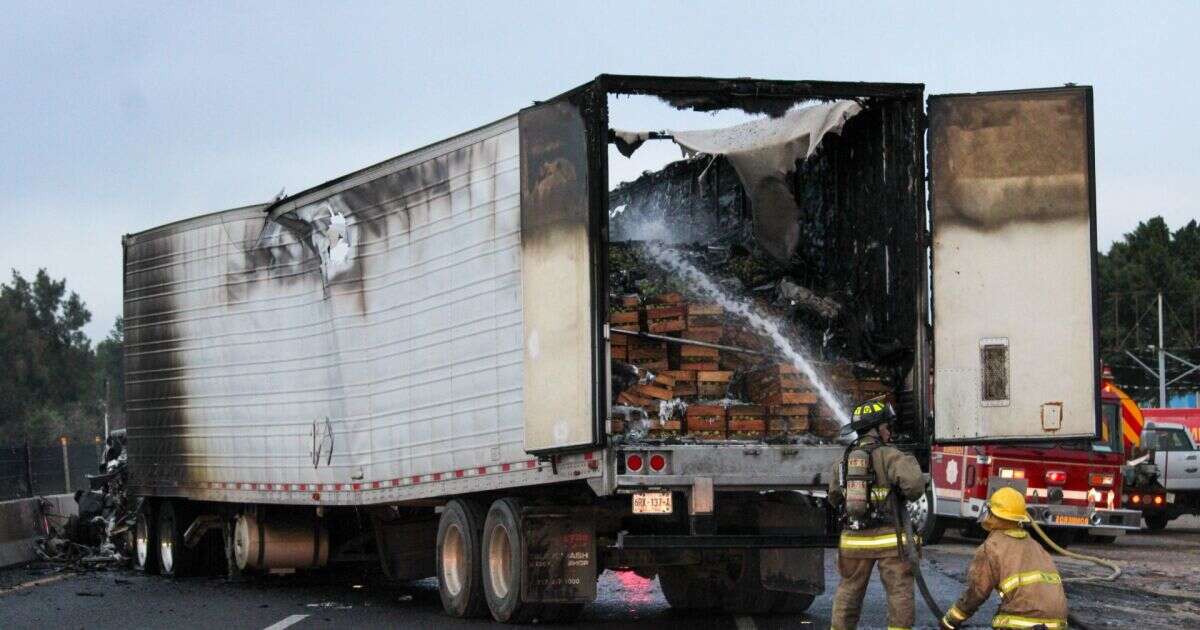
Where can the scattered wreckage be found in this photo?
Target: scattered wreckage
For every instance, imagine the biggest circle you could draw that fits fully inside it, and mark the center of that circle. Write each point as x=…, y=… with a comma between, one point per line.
x=100, y=534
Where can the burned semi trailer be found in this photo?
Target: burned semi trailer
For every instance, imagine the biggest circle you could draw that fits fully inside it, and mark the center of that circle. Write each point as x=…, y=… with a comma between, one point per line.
x=488, y=361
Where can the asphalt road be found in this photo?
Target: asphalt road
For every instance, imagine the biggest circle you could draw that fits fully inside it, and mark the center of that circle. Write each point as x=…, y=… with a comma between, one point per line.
x=1160, y=589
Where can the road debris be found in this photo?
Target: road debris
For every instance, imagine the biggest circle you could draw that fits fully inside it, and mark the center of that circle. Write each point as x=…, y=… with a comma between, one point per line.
x=99, y=535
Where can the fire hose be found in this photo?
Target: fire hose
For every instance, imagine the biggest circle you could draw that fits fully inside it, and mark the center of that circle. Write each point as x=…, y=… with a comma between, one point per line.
x=904, y=532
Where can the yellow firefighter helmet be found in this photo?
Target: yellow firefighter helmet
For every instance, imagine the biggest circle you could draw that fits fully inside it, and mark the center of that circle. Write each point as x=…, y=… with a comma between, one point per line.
x=1008, y=504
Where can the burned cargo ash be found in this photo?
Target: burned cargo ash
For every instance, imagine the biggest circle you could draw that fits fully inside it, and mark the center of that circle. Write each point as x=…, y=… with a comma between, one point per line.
x=837, y=296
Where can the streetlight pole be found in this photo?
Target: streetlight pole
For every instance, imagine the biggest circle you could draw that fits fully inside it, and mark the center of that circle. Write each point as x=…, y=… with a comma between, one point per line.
x=1162, y=358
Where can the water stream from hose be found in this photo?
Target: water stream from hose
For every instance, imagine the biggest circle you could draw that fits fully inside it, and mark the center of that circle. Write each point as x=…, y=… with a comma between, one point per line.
x=670, y=260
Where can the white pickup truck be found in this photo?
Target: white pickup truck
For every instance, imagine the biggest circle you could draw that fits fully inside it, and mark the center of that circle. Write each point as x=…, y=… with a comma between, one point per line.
x=1165, y=482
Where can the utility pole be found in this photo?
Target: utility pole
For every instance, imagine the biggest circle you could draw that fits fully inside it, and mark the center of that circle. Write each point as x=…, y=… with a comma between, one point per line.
x=1162, y=358
x=66, y=464
x=106, y=413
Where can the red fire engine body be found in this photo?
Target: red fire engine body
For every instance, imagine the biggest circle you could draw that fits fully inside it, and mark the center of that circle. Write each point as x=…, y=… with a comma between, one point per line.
x=1070, y=488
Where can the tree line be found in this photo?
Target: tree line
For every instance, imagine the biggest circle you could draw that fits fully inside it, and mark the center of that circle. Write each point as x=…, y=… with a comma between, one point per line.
x=53, y=382
x=1150, y=260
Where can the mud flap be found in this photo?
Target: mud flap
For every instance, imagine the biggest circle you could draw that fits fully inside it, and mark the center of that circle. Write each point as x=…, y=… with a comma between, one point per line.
x=791, y=570
x=560, y=557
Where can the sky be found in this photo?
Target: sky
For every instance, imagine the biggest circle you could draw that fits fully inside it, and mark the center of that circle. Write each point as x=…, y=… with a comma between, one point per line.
x=117, y=117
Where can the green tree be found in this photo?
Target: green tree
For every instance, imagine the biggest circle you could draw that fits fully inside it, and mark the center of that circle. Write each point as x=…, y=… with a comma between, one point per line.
x=110, y=372
x=47, y=361
x=1149, y=260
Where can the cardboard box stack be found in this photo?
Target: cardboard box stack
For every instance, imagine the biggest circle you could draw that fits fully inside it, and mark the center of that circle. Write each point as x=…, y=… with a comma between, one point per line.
x=728, y=395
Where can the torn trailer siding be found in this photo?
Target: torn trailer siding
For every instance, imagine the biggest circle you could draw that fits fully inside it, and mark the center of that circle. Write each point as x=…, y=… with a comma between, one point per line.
x=359, y=344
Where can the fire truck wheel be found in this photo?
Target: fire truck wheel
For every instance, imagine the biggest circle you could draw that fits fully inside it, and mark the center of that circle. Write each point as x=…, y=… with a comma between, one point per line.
x=1156, y=522
x=1062, y=536
x=459, y=559
x=503, y=563
x=933, y=527
x=174, y=558
x=145, y=539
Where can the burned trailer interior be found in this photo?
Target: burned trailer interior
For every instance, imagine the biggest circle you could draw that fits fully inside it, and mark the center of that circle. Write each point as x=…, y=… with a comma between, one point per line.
x=810, y=212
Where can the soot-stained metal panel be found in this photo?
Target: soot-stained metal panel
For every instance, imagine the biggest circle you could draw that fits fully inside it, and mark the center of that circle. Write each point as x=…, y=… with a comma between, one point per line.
x=1013, y=208
x=367, y=335
x=559, y=323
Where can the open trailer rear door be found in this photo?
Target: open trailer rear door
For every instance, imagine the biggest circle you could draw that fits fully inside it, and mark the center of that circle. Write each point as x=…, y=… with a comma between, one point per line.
x=1013, y=209
x=563, y=386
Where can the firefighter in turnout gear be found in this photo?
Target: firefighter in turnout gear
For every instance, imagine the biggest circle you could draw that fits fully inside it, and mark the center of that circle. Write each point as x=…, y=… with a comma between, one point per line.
x=1011, y=562
x=864, y=484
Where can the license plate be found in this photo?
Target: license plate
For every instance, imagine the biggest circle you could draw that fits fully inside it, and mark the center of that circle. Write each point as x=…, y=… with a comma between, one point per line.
x=1067, y=519
x=652, y=503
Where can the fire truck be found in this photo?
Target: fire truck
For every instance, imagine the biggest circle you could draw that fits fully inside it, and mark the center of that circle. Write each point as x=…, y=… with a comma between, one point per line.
x=1072, y=489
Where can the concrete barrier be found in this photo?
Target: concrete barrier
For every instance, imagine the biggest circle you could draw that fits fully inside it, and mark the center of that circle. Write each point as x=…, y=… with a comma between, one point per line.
x=21, y=523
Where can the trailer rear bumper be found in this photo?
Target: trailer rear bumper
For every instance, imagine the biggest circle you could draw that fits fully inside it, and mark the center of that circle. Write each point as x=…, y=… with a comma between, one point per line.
x=730, y=466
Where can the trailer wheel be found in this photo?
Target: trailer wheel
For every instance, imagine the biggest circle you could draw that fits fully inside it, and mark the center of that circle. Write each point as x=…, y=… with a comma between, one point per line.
x=503, y=564
x=792, y=603
x=686, y=590
x=1156, y=522
x=459, y=559
x=746, y=595
x=145, y=540
x=174, y=558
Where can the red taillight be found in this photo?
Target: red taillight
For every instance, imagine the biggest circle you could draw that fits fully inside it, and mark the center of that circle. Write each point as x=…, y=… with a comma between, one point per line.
x=970, y=475
x=1056, y=477
x=1158, y=500
x=1101, y=479
x=633, y=463
x=657, y=462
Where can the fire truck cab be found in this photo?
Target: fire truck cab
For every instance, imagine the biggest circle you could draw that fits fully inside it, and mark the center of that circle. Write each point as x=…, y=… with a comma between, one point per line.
x=1071, y=488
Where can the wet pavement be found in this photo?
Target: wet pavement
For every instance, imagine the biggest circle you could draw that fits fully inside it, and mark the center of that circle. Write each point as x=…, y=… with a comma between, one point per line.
x=1160, y=589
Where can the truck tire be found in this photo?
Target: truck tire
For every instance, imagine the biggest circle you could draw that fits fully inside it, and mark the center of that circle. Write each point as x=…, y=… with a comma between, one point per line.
x=174, y=558
x=460, y=559
x=1156, y=522
x=503, y=569
x=792, y=603
x=746, y=594
x=1062, y=536
x=934, y=526
x=686, y=590
x=145, y=540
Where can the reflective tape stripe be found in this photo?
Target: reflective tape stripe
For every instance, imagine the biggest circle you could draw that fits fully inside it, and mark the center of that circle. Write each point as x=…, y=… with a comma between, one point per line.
x=1015, y=533
x=956, y=614
x=879, y=493
x=854, y=541
x=1016, y=621
x=898, y=628
x=1013, y=582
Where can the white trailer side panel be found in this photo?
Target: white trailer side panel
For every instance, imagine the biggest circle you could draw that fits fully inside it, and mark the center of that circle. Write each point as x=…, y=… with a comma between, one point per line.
x=364, y=346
